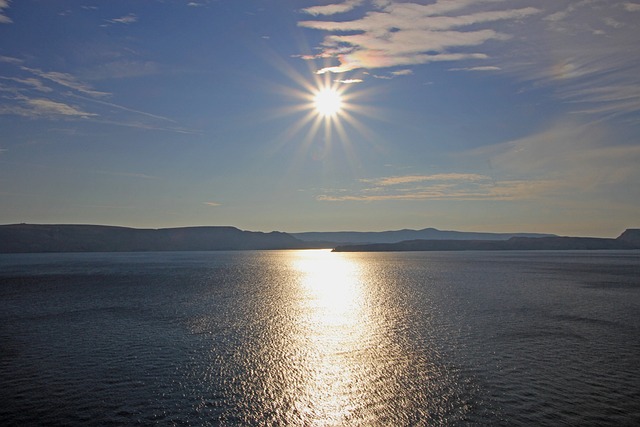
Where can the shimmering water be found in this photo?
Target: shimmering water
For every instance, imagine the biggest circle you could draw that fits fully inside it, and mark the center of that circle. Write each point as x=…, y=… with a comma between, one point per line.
x=314, y=338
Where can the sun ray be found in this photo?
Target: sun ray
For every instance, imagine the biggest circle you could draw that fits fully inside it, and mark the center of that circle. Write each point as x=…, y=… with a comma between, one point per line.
x=325, y=123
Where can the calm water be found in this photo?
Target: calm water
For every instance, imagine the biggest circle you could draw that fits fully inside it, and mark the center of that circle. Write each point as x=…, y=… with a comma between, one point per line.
x=314, y=338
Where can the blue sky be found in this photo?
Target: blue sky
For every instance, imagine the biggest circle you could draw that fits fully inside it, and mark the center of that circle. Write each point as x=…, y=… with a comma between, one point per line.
x=486, y=115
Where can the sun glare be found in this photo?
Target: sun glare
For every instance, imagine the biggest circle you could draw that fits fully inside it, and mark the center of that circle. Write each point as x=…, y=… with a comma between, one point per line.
x=328, y=102
x=327, y=113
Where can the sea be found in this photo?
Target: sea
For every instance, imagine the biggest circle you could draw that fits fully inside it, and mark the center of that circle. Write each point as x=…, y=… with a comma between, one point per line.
x=316, y=338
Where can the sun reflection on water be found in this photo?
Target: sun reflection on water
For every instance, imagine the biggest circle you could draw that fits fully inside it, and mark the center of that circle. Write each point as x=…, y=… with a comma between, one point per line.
x=334, y=327
x=333, y=339
x=331, y=288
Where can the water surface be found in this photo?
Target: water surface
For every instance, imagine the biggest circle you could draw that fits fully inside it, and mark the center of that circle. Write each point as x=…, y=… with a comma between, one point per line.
x=314, y=338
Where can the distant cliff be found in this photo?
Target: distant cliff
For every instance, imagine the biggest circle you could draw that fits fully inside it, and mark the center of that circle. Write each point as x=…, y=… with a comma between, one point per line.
x=359, y=237
x=25, y=238
x=631, y=235
x=20, y=238
x=625, y=241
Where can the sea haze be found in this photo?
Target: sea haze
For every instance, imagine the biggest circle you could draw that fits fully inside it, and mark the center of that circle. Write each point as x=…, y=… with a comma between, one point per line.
x=320, y=338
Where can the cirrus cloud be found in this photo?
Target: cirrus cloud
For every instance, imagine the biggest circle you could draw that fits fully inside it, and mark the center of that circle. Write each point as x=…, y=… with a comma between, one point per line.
x=41, y=107
x=442, y=186
x=632, y=7
x=4, y=19
x=585, y=50
x=400, y=34
x=332, y=9
x=127, y=19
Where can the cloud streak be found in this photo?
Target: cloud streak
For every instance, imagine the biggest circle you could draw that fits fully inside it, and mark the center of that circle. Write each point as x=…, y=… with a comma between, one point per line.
x=4, y=19
x=589, y=56
x=570, y=164
x=54, y=95
x=402, y=72
x=400, y=34
x=127, y=175
x=349, y=81
x=586, y=50
x=483, y=68
x=443, y=186
x=126, y=20
x=632, y=7
x=410, y=179
x=332, y=9
x=461, y=191
x=46, y=107
x=29, y=82
x=580, y=161
x=27, y=89
x=66, y=80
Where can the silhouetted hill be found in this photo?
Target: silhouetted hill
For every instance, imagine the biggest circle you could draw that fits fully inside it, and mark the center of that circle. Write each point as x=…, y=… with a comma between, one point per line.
x=96, y=238
x=631, y=235
x=515, y=243
x=357, y=237
x=23, y=238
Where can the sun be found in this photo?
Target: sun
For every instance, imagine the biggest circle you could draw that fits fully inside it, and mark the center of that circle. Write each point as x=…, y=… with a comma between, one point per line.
x=327, y=102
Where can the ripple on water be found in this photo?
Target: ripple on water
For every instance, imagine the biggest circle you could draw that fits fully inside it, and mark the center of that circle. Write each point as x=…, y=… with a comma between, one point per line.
x=314, y=338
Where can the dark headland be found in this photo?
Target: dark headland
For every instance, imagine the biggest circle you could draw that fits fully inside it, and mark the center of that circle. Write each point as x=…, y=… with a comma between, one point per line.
x=34, y=238
x=25, y=238
x=630, y=239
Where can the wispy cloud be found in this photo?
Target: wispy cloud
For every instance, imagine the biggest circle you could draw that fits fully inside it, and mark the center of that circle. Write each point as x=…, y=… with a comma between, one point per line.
x=400, y=34
x=332, y=9
x=410, y=179
x=448, y=190
x=402, y=72
x=127, y=175
x=443, y=186
x=123, y=108
x=66, y=80
x=27, y=88
x=41, y=107
x=67, y=96
x=579, y=160
x=586, y=50
x=212, y=204
x=102, y=207
x=127, y=19
x=632, y=7
x=589, y=59
x=122, y=69
x=10, y=60
x=350, y=81
x=4, y=19
x=30, y=82
x=569, y=164
x=46, y=107
x=484, y=68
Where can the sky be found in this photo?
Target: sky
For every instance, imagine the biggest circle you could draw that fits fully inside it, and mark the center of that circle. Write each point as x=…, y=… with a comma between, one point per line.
x=471, y=115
